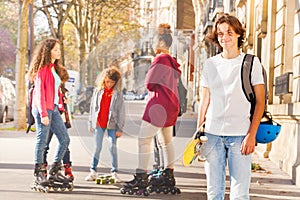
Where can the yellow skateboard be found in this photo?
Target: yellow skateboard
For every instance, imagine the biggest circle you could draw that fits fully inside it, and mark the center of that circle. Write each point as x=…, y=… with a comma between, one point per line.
x=194, y=146
x=105, y=179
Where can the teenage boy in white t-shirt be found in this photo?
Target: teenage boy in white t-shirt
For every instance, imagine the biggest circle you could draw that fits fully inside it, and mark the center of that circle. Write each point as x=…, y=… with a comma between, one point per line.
x=226, y=112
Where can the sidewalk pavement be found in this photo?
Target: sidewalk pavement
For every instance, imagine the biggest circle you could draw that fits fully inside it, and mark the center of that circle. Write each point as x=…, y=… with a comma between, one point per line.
x=16, y=172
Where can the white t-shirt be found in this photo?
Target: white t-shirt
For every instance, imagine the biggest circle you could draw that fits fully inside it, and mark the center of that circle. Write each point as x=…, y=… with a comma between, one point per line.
x=229, y=110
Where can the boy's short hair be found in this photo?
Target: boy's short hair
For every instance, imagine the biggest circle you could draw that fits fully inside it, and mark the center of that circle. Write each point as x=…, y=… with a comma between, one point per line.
x=234, y=23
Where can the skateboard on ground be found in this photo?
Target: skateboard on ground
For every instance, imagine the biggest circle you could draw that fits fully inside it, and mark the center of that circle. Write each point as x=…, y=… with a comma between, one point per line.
x=105, y=179
x=193, y=148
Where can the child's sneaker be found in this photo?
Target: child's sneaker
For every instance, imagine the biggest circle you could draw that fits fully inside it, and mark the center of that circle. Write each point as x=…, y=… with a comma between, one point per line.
x=115, y=176
x=92, y=175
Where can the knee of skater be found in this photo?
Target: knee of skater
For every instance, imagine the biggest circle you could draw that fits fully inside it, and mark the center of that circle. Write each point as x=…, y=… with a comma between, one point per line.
x=67, y=141
x=144, y=141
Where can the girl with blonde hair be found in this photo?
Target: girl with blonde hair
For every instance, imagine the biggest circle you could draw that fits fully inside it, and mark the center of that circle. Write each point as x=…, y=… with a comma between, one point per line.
x=107, y=112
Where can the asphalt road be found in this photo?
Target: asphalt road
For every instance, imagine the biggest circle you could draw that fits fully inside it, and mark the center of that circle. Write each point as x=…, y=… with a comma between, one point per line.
x=17, y=151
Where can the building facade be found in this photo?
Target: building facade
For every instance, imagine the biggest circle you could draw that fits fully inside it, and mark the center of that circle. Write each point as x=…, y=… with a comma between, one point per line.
x=273, y=34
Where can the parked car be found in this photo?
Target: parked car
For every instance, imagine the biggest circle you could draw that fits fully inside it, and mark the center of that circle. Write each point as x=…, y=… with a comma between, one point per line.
x=141, y=96
x=7, y=99
x=83, y=101
x=129, y=96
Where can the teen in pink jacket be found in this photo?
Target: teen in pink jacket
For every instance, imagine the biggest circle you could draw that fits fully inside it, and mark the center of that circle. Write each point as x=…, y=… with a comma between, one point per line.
x=161, y=81
x=47, y=75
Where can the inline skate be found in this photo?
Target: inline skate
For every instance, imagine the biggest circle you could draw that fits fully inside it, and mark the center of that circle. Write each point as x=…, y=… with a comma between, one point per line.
x=57, y=180
x=40, y=183
x=136, y=186
x=163, y=181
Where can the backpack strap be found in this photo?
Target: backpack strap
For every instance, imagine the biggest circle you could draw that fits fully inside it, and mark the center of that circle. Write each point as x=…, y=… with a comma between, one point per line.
x=246, y=77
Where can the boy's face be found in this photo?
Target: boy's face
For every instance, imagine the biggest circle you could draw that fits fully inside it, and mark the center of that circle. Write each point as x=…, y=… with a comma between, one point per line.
x=227, y=37
x=108, y=83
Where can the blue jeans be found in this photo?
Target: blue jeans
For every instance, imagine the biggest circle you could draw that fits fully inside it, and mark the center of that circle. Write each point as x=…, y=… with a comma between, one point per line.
x=66, y=158
x=218, y=151
x=98, y=139
x=57, y=126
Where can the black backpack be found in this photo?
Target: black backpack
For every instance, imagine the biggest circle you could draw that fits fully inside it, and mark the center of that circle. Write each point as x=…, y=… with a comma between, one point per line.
x=182, y=93
x=30, y=118
x=246, y=82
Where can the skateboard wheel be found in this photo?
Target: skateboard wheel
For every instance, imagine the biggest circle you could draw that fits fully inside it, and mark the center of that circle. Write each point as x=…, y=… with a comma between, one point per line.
x=203, y=139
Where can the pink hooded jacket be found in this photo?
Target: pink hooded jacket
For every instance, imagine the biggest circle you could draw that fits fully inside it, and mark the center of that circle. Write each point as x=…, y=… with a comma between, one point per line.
x=43, y=94
x=161, y=81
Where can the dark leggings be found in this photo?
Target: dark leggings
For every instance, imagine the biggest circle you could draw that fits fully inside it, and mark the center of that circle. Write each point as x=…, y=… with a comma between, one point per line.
x=66, y=158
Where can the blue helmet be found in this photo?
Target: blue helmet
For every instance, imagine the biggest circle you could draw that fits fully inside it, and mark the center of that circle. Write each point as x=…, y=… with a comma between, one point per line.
x=267, y=132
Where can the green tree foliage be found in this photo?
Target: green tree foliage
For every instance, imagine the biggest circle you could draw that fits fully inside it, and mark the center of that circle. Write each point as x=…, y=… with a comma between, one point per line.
x=9, y=18
x=97, y=21
x=56, y=12
x=71, y=52
x=8, y=36
x=7, y=51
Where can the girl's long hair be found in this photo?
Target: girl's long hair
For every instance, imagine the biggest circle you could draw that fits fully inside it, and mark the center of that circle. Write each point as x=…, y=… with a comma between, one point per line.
x=112, y=73
x=42, y=58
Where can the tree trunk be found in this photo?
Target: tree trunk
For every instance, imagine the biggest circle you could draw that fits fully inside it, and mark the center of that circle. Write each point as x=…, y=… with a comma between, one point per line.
x=82, y=56
x=21, y=55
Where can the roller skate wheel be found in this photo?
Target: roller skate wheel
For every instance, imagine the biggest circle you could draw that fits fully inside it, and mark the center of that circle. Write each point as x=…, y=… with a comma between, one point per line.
x=112, y=181
x=55, y=189
x=97, y=181
x=165, y=191
x=139, y=192
x=45, y=190
x=130, y=192
x=71, y=187
x=173, y=191
x=146, y=193
x=178, y=190
x=150, y=189
x=123, y=191
x=63, y=188
x=157, y=190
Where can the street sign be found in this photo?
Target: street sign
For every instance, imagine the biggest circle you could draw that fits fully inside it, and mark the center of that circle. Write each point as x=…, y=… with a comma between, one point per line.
x=283, y=84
